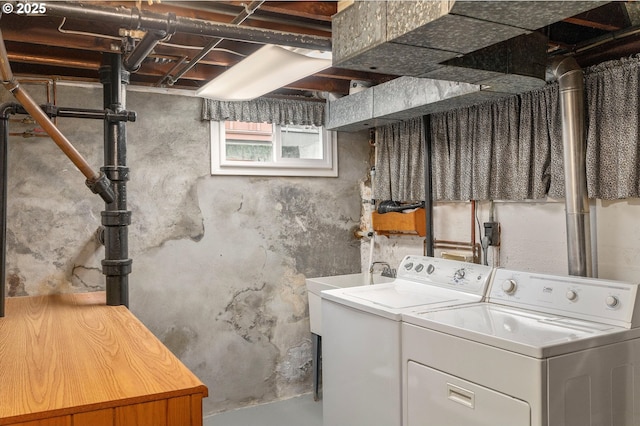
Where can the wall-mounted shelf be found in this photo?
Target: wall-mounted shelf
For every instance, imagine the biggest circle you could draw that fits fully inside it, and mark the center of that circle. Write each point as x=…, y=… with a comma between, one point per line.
x=411, y=223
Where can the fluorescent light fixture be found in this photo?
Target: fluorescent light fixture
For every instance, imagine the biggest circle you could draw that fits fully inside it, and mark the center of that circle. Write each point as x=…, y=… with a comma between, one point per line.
x=268, y=69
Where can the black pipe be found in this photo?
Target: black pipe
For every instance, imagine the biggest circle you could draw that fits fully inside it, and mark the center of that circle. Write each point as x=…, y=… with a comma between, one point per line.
x=93, y=114
x=5, y=110
x=116, y=265
x=137, y=19
x=428, y=181
x=150, y=40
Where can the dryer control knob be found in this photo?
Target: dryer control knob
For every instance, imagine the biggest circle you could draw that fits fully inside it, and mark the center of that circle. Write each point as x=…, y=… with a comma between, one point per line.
x=430, y=269
x=611, y=301
x=509, y=286
x=571, y=295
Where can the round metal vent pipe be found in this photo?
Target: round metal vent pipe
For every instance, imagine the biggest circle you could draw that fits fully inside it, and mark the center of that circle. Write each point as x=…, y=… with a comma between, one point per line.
x=571, y=85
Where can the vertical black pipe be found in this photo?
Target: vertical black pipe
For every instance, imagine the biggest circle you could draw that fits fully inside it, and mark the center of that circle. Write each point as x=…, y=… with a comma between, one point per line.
x=5, y=111
x=4, y=145
x=116, y=265
x=428, y=188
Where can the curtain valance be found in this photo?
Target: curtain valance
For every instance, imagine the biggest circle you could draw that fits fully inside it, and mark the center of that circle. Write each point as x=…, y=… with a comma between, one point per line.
x=266, y=110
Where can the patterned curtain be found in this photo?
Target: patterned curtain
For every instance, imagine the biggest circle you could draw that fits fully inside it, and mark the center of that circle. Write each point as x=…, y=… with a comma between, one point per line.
x=511, y=149
x=266, y=110
x=400, y=162
x=613, y=130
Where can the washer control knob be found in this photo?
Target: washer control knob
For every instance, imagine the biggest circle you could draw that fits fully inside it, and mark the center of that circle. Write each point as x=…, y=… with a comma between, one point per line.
x=571, y=295
x=430, y=269
x=419, y=267
x=509, y=286
x=459, y=274
x=612, y=301
x=408, y=266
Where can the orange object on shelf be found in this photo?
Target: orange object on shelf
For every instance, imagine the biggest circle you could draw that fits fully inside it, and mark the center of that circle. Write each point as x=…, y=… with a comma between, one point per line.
x=413, y=222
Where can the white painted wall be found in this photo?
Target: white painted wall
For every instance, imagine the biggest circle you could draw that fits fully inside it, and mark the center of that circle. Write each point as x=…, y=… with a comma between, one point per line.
x=533, y=236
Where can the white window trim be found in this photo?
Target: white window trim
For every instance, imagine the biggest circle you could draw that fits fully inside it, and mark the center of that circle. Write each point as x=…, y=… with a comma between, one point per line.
x=326, y=167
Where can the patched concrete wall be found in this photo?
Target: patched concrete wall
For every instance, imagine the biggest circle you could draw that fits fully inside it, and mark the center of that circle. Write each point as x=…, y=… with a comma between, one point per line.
x=219, y=262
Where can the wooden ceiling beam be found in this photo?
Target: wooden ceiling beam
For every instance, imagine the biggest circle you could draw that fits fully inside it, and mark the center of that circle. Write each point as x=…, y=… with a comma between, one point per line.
x=592, y=24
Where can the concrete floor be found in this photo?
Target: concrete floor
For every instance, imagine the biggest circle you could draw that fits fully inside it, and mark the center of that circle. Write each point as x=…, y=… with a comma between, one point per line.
x=302, y=410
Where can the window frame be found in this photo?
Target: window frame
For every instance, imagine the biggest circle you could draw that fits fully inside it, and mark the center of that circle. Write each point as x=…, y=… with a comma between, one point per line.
x=280, y=166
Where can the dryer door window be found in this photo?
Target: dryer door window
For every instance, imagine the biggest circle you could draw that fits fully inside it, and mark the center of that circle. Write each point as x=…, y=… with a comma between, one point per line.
x=435, y=399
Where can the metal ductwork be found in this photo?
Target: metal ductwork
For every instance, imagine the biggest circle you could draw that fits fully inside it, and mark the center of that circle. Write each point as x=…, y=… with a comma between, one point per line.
x=450, y=54
x=570, y=79
x=422, y=38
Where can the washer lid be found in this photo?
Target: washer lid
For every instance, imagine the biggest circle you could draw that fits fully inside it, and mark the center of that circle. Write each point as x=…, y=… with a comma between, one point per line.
x=391, y=299
x=526, y=332
x=398, y=296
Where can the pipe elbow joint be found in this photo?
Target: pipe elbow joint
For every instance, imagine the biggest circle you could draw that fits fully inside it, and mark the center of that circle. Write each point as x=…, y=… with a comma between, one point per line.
x=11, y=85
x=568, y=73
x=102, y=186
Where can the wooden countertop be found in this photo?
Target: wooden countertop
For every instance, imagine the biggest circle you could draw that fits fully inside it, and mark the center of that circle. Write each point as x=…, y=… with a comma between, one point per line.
x=64, y=354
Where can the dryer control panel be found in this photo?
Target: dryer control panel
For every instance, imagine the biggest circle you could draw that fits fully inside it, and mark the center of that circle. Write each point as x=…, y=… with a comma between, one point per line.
x=454, y=274
x=593, y=299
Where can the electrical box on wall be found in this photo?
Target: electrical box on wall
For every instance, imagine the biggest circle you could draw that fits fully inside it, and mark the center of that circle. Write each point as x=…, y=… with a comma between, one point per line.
x=492, y=232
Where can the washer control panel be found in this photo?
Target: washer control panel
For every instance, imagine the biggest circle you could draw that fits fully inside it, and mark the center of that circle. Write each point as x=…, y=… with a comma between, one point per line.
x=612, y=302
x=463, y=276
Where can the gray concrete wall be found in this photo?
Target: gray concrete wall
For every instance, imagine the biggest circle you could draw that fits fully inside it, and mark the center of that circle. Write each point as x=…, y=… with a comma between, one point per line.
x=219, y=262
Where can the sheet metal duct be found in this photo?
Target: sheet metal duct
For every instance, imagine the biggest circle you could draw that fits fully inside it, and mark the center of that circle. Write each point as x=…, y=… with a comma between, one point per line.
x=570, y=78
x=450, y=54
x=417, y=38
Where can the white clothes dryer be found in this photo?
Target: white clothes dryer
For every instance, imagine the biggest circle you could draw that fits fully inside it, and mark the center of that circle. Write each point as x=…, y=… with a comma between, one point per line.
x=362, y=371
x=543, y=350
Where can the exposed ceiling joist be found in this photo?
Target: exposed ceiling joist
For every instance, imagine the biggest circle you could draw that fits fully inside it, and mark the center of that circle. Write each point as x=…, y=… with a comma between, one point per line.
x=40, y=46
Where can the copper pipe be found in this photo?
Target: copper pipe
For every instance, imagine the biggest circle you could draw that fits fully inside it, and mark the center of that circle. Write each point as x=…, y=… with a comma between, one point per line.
x=455, y=243
x=97, y=182
x=50, y=60
x=47, y=125
x=444, y=244
x=473, y=222
x=34, y=110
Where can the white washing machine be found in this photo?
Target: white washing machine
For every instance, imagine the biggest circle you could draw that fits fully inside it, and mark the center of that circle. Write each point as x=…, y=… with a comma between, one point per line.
x=361, y=365
x=542, y=351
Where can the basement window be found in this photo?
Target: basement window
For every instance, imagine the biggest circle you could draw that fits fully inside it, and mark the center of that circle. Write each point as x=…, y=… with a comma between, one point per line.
x=263, y=149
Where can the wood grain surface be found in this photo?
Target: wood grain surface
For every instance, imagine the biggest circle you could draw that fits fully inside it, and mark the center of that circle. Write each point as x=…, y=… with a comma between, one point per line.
x=62, y=355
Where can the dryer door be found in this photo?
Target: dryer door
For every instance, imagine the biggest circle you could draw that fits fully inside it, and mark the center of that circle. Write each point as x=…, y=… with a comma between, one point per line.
x=435, y=399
